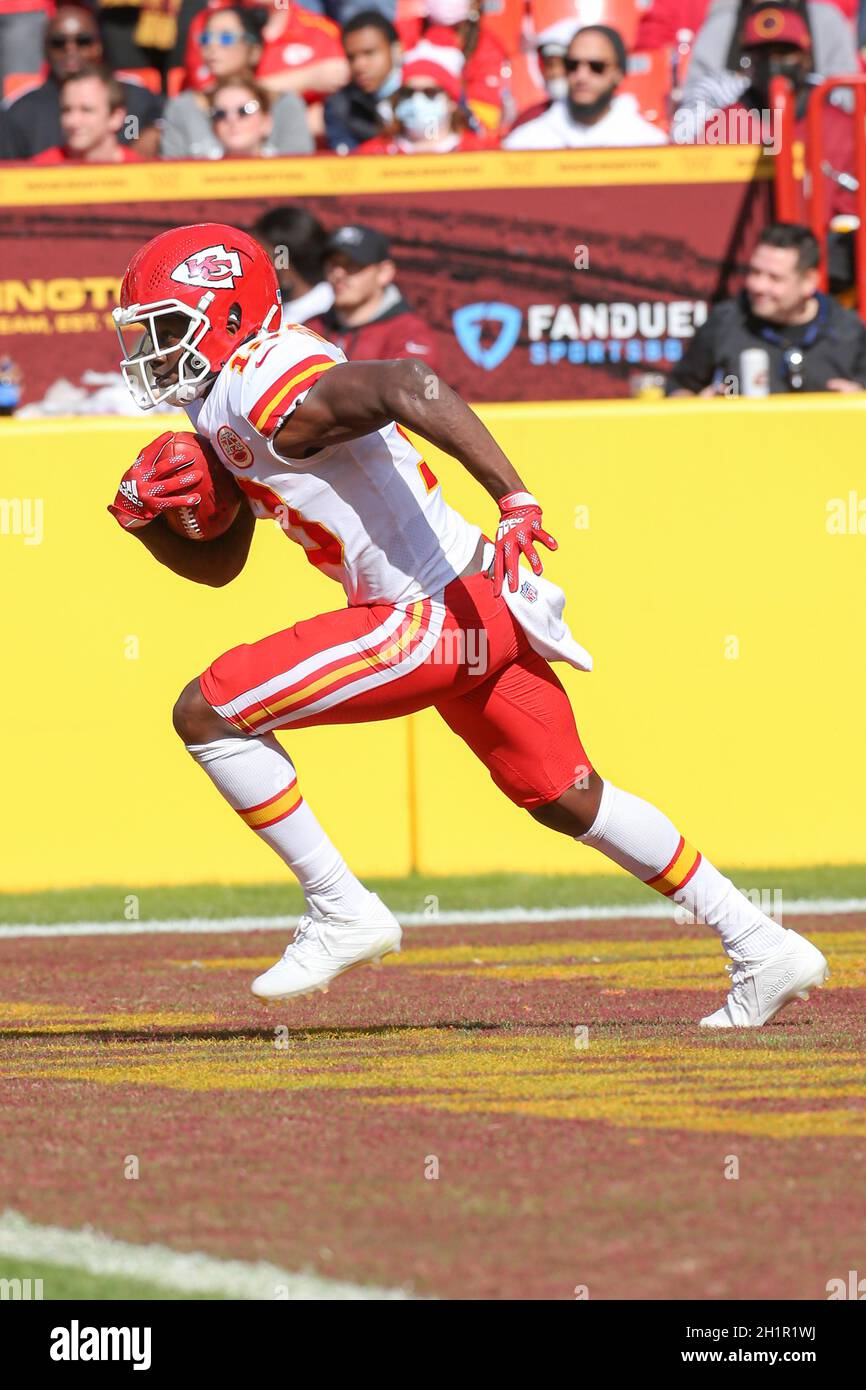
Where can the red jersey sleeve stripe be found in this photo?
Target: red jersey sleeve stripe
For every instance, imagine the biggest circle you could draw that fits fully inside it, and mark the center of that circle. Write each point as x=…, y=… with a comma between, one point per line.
x=297, y=378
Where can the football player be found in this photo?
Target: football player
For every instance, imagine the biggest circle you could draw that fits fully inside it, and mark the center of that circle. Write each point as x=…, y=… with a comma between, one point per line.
x=437, y=614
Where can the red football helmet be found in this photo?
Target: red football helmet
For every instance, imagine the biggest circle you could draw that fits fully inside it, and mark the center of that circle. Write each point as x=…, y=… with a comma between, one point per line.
x=221, y=284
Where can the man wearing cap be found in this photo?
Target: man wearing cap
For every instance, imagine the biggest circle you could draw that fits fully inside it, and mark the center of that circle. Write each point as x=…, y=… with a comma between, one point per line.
x=369, y=319
x=591, y=114
x=775, y=42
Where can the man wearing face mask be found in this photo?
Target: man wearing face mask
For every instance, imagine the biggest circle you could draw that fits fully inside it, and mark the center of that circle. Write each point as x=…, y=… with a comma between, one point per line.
x=361, y=110
x=776, y=42
x=370, y=320
x=591, y=114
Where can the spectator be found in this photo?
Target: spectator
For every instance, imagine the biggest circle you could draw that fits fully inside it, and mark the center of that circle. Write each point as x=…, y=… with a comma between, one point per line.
x=427, y=115
x=32, y=121
x=241, y=118
x=360, y=111
x=591, y=114
x=551, y=47
x=370, y=319
x=22, y=36
x=458, y=22
x=302, y=53
x=663, y=24
x=775, y=41
x=813, y=344
x=714, y=75
x=295, y=241
x=92, y=112
x=231, y=45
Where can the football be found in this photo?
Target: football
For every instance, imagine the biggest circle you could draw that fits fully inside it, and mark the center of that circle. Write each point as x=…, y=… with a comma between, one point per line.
x=220, y=495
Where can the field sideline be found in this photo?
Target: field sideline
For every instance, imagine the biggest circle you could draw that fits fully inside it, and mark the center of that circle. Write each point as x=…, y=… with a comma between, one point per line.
x=512, y=1109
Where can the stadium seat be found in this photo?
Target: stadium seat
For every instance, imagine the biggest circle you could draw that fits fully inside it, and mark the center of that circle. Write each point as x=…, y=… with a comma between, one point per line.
x=504, y=19
x=523, y=84
x=649, y=79
x=622, y=15
x=409, y=21
x=16, y=83
x=141, y=77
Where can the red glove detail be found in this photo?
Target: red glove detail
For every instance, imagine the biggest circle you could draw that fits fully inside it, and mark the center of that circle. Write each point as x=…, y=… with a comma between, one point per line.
x=516, y=535
x=160, y=479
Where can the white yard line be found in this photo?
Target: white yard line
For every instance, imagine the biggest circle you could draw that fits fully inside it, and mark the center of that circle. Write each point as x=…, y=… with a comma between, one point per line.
x=214, y=926
x=87, y=1250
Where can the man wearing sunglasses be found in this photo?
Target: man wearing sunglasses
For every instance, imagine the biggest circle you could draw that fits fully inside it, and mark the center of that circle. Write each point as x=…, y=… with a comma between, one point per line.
x=811, y=342
x=591, y=113
x=32, y=122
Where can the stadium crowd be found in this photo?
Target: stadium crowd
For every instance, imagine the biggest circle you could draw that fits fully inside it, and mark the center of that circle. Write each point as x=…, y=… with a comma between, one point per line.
x=204, y=79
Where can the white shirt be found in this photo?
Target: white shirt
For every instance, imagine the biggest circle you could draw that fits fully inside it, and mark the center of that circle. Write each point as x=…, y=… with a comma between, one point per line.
x=308, y=305
x=557, y=130
x=368, y=513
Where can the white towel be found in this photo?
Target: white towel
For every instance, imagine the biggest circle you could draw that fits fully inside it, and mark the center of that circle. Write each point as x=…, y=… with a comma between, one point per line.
x=537, y=605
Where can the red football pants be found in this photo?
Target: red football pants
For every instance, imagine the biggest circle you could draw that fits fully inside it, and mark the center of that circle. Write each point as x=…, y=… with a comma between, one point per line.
x=463, y=654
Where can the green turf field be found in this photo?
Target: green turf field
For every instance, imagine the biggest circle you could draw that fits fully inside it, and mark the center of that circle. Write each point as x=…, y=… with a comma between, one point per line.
x=62, y=1282
x=413, y=894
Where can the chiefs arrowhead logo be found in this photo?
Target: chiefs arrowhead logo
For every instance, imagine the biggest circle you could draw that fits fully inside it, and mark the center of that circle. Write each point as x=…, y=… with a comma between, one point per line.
x=214, y=268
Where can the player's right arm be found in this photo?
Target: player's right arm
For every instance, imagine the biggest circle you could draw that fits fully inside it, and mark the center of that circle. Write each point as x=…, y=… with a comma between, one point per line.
x=215, y=563
x=153, y=486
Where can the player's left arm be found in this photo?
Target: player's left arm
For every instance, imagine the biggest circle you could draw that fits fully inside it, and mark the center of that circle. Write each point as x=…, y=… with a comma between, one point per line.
x=357, y=398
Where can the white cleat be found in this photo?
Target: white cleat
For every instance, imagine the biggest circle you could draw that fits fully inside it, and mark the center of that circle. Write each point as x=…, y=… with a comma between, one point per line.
x=759, y=989
x=323, y=947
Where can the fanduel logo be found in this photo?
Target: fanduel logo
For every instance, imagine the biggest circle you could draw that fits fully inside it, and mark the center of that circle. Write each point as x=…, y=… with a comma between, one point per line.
x=76, y=1343
x=469, y=324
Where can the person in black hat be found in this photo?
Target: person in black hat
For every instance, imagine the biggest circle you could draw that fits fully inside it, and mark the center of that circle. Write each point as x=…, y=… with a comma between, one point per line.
x=369, y=319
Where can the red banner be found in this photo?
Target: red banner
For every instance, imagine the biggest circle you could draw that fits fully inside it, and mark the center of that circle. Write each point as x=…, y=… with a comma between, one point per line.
x=535, y=293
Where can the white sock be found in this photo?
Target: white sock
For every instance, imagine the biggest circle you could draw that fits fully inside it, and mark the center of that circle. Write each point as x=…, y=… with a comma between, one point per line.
x=257, y=778
x=642, y=840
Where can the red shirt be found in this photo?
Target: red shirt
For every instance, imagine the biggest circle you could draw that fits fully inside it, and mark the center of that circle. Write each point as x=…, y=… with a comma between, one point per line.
x=59, y=154
x=304, y=38
x=660, y=24
x=398, y=333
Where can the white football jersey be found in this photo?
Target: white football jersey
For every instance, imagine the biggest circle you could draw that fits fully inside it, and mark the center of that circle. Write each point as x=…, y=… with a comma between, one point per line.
x=369, y=513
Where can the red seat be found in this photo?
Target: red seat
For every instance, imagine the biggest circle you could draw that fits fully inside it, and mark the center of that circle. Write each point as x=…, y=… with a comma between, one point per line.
x=504, y=20
x=16, y=83
x=649, y=79
x=523, y=84
x=141, y=77
x=409, y=21
x=621, y=15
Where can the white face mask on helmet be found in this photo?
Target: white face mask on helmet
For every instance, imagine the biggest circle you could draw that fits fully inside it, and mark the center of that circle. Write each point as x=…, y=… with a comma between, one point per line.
x=423, y=117
x=146, y=346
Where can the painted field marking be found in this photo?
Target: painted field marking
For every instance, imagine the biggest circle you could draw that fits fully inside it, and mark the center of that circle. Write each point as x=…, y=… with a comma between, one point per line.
x=104, y=1256
x=206, y=926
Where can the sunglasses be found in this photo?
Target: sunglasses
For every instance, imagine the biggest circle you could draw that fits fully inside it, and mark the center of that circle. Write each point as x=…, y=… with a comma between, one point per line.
x=221, y=113
x=79, y=40
x=224, y=39
x=596, y=65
